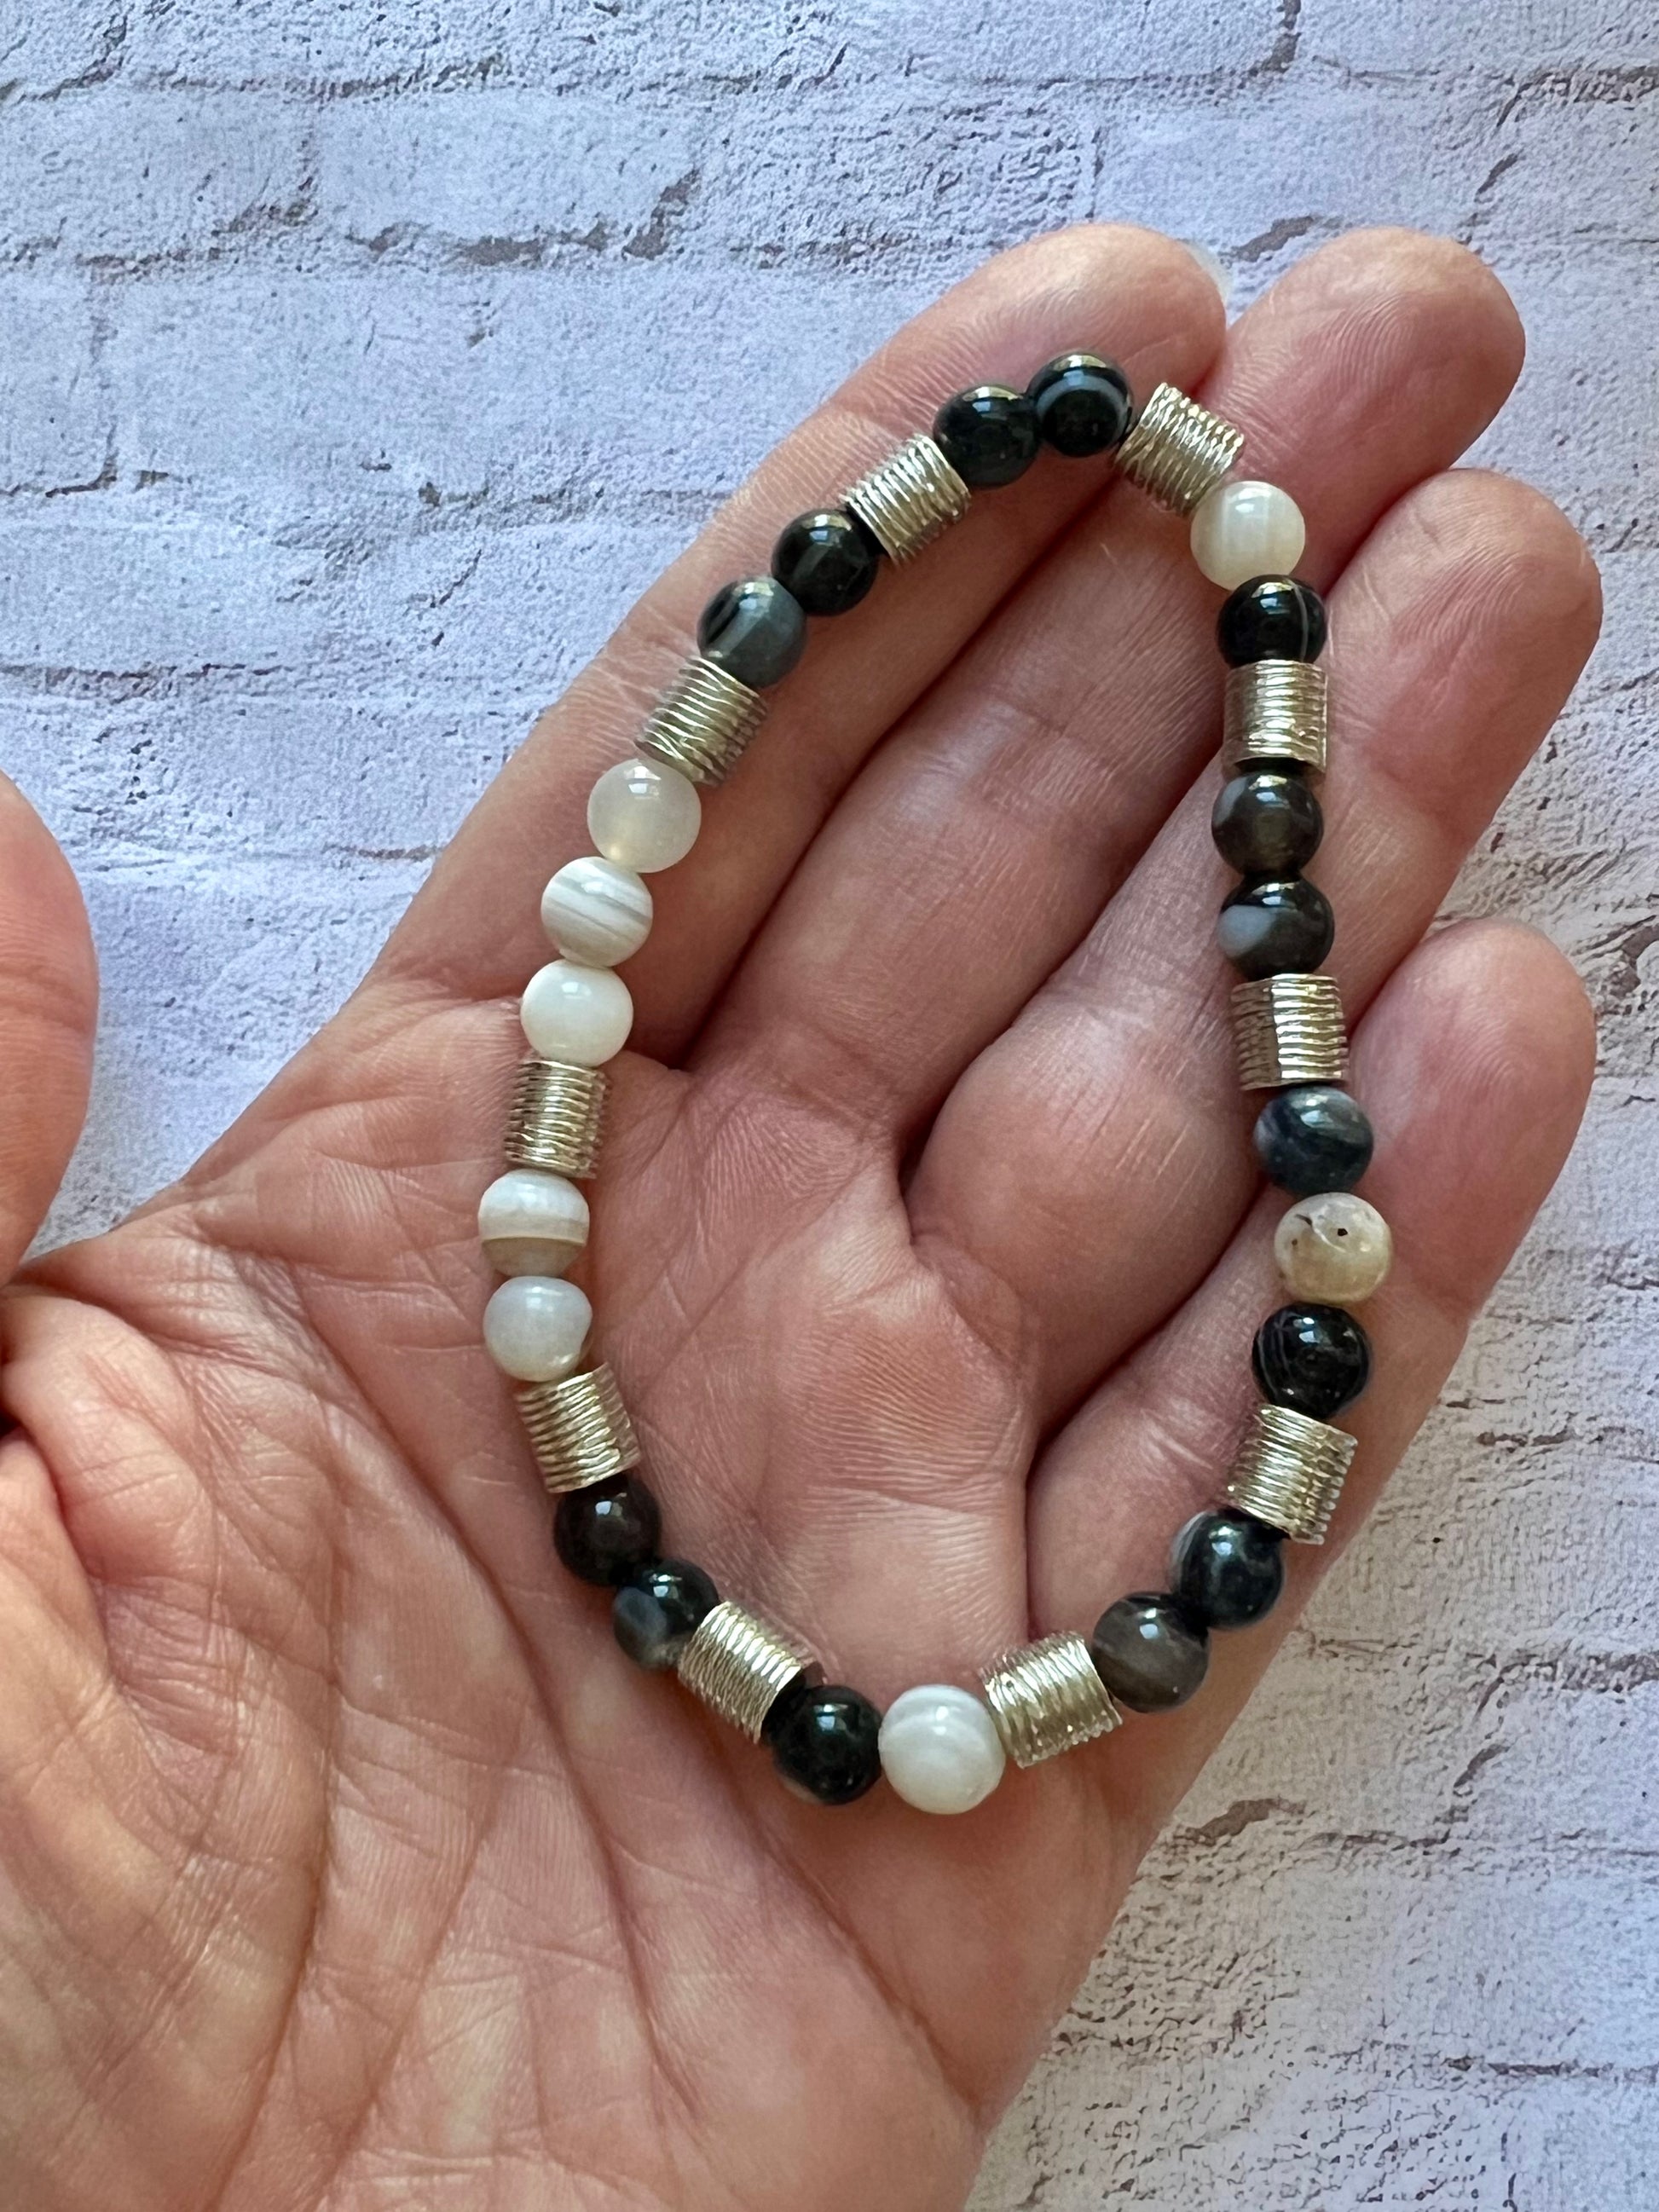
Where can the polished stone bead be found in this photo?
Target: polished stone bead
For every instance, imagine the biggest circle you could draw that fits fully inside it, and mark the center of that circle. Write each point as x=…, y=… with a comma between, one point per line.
x=939, y=1748
x=824, y=1742
x=826, y=562
x=1282, y=925
x=1314, y=1137
x=1083, y=405
x=1314, y=1359
x=755, y=630
x=1242, y=528
x=1334, y=1248
x=1228, y=1569
x=1271, y=618
x=655, y=1610
x=988, y=436
x=1151, y=1654
x=606, y=1531
x=1267, y=822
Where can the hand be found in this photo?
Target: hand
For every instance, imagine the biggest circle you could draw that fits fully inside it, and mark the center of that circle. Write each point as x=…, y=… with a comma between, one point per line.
x=344, y=1862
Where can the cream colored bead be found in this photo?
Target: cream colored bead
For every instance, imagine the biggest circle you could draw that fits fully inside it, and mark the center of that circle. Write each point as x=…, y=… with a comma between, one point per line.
x=575, y=1014
x=939, y=1748
x=595, y=912
x=1335, y=1248
x=532, y=1224
x=1243, y=529
x=535, y=1326
x=643, y=817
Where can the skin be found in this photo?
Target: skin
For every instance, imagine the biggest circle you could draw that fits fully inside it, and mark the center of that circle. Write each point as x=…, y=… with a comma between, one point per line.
x=344, y=1861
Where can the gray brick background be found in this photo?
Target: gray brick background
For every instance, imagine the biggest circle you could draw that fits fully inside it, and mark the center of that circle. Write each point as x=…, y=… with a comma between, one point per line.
x=324, y=334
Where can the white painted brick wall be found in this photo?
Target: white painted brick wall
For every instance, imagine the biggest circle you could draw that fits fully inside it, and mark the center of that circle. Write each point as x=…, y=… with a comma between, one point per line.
x=357, y=364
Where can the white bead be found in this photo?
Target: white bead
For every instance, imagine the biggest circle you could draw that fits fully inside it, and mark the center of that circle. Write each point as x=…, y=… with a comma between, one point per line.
x=643, y=817
x=595, y=912
x=532, y=1224
x=578, y=1015
x=535, y=1326
x=1335, y=1248
x=1242, y=529
x=939, y=1748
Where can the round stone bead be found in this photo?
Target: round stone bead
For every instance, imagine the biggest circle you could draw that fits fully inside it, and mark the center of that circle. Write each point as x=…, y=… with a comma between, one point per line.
x=1265, y=822
x=655, y=1610
x=824, y=1742
x=988, y=436
x=1228, y=1569
x=755, y=630
x=1314, y=1359
x=643, y=817
x=940, y=1749
x=1241, y=528
x=1271, y=618
x=608, y=1531
x=576, y=1014
x=1313, y=1138
x=595, y=912
x=1083, y=405
x=1151, y=1654
x=1277, y=926
x=531, y=1223
x=1335, y=1248
x=535, y=1326
x=826, y=562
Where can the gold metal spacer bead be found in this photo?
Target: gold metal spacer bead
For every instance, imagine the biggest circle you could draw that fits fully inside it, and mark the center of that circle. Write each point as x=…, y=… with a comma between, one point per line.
x=908, y=498
x=1275, y=710
x=737, y=1661
x=1178, y=450
x=703, y=723
x=1289, y=1472
x=579, y=1429
x=557, y=1117
x=1045, y=1697
x=1289, y=1029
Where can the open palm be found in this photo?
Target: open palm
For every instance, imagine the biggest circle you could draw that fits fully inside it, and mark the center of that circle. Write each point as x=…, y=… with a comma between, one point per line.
x=343, y=1860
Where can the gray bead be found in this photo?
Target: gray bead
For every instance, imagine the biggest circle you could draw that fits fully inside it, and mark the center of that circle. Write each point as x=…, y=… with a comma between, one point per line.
x=1280, y=927
x=1313, y=1138
x=1150, y=1653
x=754, y=631
x=656, y=1610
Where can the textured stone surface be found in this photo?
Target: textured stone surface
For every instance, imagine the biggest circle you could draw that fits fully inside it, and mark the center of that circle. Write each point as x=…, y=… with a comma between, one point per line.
x=321, y=335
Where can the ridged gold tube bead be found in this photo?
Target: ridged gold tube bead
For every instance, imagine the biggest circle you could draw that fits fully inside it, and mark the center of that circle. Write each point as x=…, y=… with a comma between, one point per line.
x=557, y=1117
x=1045, y=1697
x=1275, y=710
x=908, y=498
x=1289, y=1029
x=737, y=1662
x=703, y=723
x=1289, y=1472
x=579, y=1429
x=1178, y=450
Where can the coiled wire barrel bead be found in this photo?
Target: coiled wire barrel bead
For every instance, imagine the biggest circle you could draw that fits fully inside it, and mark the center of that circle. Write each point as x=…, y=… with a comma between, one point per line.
x=737, y=1662
x=1047, y=1697
x=1289, y=1029
x=909, y=499
x=1289, y=1472
x=1275, y=710
x=703, y=723
x=579, y=1429
x=557, y=1117
x=1178, y=450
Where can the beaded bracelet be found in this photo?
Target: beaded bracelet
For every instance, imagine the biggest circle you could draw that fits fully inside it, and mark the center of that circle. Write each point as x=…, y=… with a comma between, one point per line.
x=942, y=1748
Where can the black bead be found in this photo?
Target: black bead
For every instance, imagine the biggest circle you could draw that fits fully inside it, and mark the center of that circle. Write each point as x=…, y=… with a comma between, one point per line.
x=826, y=562
x=1313, y=1138
x=655, y=1610
x=823, y=1741
x=1314, y=1359
x=988, y=436
x=1271, y=618
x=1267, y=822
x=1228, y=1569
x=605, y=1531
x=755, y=630
x=1277, y=926
x=1084, y=404
x=1151, y=1654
